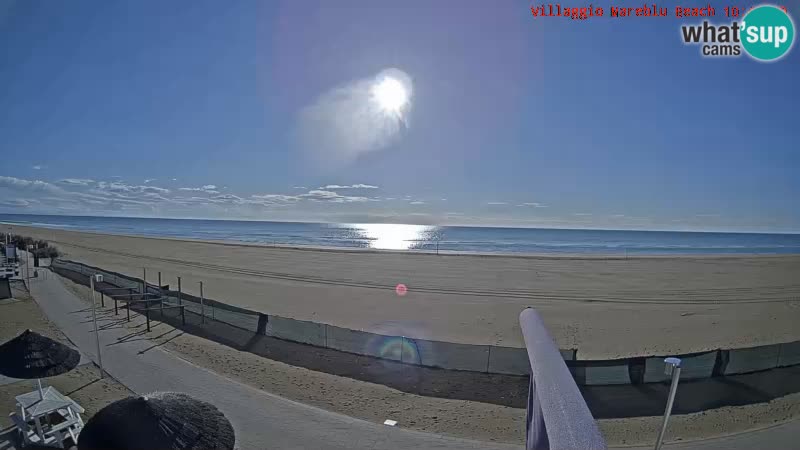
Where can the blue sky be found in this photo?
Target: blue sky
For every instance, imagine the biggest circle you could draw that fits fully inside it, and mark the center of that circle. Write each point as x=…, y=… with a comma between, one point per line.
x=603, y=123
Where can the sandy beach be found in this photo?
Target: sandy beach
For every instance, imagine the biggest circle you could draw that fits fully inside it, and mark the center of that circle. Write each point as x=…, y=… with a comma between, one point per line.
x=479, y=420
x=604, y=307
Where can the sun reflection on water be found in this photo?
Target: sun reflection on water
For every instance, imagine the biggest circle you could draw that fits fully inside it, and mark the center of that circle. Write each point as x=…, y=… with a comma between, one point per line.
x=389, y=236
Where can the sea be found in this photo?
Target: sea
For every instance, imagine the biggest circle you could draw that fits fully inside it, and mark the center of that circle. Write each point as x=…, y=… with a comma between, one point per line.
x=426, y=238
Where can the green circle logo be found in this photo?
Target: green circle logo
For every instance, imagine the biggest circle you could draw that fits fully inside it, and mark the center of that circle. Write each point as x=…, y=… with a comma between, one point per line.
x=767, y=33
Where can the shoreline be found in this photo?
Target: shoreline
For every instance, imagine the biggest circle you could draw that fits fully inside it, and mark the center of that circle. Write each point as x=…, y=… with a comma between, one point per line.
x=520, y=255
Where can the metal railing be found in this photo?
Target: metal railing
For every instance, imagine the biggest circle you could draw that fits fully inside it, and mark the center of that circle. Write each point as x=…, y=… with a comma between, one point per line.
x=557, y=416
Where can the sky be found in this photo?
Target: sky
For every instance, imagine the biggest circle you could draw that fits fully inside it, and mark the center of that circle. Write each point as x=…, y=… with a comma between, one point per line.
x=261, y=110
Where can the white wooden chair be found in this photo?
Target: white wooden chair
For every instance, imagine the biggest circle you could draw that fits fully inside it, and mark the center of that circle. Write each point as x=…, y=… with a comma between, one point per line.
x=55, y=435
x=28, y=434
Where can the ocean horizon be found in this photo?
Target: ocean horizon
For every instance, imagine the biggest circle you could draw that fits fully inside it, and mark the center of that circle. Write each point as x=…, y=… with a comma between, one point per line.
x=468, y=239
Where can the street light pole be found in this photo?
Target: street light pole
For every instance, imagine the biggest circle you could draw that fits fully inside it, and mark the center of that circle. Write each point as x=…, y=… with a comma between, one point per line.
x=99, y=279
x=673, y=367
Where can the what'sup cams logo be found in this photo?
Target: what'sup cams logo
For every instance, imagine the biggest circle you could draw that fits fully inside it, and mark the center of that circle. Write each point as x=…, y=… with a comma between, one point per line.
x=765, y=33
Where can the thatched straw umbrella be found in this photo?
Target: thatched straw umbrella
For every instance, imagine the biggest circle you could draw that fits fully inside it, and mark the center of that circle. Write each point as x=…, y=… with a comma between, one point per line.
x=33, y=356
x=162, y=420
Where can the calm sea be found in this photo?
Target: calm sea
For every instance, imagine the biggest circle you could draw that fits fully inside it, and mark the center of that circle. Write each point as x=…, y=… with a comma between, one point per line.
x=420, y=237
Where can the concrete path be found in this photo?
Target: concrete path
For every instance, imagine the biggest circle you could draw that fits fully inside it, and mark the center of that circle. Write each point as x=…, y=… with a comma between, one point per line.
x=261, y=420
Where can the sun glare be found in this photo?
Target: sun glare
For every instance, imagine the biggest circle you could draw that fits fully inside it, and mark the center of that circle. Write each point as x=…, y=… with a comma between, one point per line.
x=390, y=94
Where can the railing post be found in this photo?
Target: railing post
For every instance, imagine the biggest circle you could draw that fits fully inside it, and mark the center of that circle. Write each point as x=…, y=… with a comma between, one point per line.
x=183, y=315
x=116, y=310
x=557, y=415
x=102, y=299
x=147, y=315
x=144, y=280
x=179, y=291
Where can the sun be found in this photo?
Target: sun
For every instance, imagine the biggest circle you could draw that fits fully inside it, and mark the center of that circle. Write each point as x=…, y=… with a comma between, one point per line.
x=390, y=94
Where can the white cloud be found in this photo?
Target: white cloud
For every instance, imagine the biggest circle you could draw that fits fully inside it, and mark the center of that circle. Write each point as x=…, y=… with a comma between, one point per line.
x=581, y=214
x=533, y=205
x=15, y=203
x=148, y=180
x=110, y=196
x=77, y=181
x=37, y=167
x=276, y=197
x=497, y=203
x=299, y=187
x=352, y=186
x=417, y=202
x=30, y=185
x=227, y=198
x=116, y=186
x=208, y=189
x=174, y=179
x=346, y=122
x=330, y=196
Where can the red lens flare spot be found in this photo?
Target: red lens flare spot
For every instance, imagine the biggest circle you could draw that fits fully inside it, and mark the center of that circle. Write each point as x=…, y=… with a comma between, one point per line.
x=401, y=289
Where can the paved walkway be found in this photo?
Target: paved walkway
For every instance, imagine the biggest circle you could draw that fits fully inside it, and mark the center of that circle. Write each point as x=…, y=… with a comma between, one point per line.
x=261, y=420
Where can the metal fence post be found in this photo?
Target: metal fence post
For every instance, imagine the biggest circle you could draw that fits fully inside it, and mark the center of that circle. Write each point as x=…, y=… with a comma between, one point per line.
x=183, y=315
x=179, y=291
x=159, y=280
x=144, y=280
x=202, y=306
x=147, y=315
x=102, y=299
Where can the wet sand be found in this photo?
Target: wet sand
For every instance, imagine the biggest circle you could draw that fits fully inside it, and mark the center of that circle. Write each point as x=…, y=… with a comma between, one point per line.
x=605, y=307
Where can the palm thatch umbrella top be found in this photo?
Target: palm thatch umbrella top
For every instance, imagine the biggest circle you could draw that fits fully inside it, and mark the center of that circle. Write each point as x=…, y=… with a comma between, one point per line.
x=162, y=420
x=31, y=356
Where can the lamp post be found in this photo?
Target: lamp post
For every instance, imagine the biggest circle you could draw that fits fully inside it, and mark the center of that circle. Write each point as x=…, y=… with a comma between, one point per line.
x=98, y=278
x=673, y=367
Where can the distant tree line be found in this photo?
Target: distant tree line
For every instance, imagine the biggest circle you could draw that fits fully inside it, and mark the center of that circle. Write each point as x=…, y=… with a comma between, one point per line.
x=41, y=249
